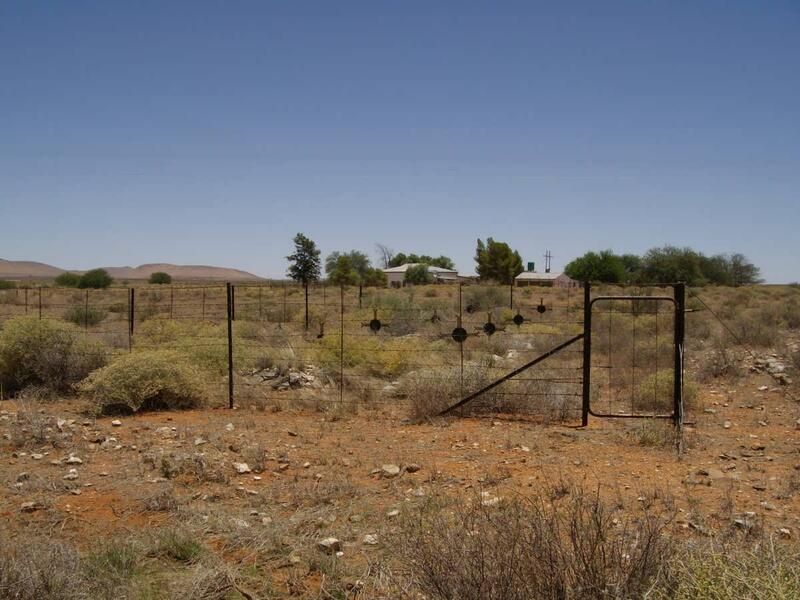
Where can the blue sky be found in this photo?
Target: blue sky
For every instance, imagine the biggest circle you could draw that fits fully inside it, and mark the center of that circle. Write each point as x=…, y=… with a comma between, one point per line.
x=212, y=132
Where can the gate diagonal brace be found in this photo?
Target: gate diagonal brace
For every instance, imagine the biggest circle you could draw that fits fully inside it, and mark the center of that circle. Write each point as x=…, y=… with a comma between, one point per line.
x=513, y=373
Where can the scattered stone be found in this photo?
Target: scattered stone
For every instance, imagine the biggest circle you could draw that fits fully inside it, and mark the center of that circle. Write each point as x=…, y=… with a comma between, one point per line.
x=241, y=468
x=371, y=539
x=390, y=470
x=329, y=545
x=306, y=465
x=785, y=532
x=116, y=423
x=29, y=507
x=73, y=460
x=229, y=427
x=37, y=456
x=292, y=433
x=266, y=520
x=200, y=441
x=727, y=424
x=412, y=468
x=23, y=477
x=71, y=476
x=393, y=513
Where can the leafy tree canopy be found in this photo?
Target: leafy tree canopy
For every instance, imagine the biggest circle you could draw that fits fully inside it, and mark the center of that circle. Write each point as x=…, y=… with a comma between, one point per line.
x=304, y=263
x=666, y=264
x=353, y=268
x=443, y=262
x=602, y=266
x=496, y=261
x=67, y=279
x=160, y=277
x=418, y=275
x=95, y=278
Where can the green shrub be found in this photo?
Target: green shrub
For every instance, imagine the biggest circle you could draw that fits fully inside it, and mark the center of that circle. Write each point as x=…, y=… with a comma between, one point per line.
x=157, y=379
x=160, y=278
x=83, y=316
x=95, y=278
x=68, y=280
x=7, y=285
x=46, y=353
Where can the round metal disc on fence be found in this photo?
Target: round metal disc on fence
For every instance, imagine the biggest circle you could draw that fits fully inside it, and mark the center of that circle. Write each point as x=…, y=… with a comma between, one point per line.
x=489, y=328
x=518, y=319
x=471, y=308
x=459, y=334
x=541, y=309
x=375, y=325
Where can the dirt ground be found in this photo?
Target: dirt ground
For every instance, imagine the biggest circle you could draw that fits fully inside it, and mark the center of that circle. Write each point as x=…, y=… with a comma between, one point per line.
x=322, y=476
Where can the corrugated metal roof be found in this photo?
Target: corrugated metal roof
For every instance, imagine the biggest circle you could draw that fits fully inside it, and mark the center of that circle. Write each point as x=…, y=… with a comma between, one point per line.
x=405, y=267
x=534, y=276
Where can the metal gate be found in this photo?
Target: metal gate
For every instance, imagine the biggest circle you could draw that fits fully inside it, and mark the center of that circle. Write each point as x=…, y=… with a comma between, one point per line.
x=632, y=359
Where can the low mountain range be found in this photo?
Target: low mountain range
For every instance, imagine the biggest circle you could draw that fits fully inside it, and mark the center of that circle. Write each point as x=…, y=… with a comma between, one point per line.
x=23, y=269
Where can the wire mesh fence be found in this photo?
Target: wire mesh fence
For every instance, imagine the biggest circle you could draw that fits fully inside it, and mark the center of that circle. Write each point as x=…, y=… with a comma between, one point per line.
x=414, y=351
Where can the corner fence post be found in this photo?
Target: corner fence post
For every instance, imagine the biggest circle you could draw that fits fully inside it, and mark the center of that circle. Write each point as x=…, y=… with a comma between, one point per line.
x=229, y=290
x=587, y=353
x=680, y=332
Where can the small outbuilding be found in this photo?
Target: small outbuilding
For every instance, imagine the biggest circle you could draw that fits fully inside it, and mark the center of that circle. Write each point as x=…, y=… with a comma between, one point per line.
x=547, y=279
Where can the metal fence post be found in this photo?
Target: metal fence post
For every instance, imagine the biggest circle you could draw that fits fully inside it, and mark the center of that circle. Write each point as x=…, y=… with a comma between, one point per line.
x=305, y=286
x=229, y=290
x=130, y=319
x=587, y=353
x=341, y=346
x=680, y=330
x=233, y=302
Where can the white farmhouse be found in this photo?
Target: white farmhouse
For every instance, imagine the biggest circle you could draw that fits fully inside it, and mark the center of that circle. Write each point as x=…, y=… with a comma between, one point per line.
x=395, y=276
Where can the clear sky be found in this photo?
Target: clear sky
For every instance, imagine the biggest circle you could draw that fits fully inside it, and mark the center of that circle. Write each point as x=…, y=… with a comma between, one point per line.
x=212, y=132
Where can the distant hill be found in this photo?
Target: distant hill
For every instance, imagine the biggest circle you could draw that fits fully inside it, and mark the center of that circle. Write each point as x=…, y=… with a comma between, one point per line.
x=20, y=269
x=25, y=269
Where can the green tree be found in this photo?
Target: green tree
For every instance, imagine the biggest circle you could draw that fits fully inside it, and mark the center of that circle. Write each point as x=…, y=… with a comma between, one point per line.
x=374, y=278
x=353, y=268
x=418, y=275
x=304, y=264
x=443, y=262
x=95, y=278
x=496, y=261
x=742, y=271
x=356, y=260
x=67, y=279
x=342, y=271
x=159, y=277
x=670, y=263
x=605, y=267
